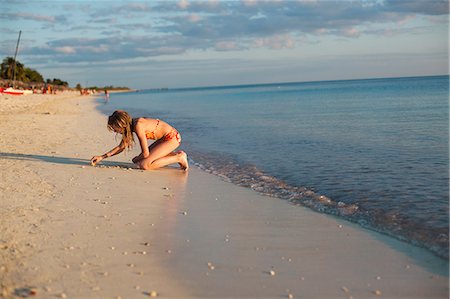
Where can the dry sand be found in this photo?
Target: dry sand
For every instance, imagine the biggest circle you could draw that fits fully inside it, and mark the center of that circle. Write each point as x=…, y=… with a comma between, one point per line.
x=70, y=230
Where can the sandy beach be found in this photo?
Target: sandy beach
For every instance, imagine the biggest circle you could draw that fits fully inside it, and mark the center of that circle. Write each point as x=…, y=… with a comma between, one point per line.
x=70, y=230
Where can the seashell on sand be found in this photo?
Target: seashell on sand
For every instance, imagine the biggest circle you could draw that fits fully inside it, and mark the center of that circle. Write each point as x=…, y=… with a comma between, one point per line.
x=153, y=294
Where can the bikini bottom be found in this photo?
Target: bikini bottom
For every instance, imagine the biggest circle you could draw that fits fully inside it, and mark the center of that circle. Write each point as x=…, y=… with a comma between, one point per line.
x=171, y=135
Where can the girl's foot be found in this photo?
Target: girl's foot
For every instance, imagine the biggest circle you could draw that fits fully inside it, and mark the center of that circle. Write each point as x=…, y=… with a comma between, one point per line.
x=183, y=162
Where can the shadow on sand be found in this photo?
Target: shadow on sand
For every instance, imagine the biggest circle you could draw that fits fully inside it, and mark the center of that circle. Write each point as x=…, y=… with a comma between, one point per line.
x=62, y=160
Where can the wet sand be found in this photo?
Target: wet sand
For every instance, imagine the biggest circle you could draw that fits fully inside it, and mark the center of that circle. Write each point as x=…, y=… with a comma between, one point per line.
x=70, y=230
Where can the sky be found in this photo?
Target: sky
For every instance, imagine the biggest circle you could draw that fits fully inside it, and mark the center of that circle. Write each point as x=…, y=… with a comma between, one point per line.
x=155, y=44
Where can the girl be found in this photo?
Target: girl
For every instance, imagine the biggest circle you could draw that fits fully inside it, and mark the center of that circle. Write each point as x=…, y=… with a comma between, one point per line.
x=158, y=154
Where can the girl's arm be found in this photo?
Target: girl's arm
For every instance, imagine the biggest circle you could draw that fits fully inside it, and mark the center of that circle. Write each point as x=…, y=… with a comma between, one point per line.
x=117, y=150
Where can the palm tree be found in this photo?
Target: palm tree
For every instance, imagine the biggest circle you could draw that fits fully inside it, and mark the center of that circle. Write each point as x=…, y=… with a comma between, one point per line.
x=7, y=69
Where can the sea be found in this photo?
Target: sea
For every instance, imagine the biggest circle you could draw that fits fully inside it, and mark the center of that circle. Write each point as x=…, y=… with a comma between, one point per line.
x=374, y=152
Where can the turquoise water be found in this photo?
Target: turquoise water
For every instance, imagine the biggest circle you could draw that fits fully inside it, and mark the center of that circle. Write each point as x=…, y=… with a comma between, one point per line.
x=374, y=151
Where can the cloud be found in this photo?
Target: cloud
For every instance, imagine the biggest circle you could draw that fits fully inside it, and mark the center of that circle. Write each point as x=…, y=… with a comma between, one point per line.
x=351, y=32
x=183, y=4
x=265, y=18
x=65, y=50
x=194, y=18
x=108, y=49
x=275, y=42
x=33, y=17
x=141, y=7
x=40, y=18
x=433, y=7
x=226, y=46
x=107, y=20
x=147, y=29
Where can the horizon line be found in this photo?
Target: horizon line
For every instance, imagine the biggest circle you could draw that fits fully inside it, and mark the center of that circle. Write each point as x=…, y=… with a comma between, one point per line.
x=277, y=83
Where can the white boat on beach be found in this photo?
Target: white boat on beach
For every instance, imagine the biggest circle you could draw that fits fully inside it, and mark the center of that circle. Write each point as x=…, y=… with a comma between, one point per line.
x=16, y=92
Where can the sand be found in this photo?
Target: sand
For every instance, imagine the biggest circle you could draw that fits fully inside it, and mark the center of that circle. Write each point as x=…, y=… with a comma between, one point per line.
x=70, y=230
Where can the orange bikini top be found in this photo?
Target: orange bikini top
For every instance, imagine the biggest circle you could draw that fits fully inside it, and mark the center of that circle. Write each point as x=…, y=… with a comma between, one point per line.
x=151, y=135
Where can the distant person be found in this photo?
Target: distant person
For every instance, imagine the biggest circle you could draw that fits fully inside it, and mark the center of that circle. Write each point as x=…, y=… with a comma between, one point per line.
x=158, y=154
x=106, y=96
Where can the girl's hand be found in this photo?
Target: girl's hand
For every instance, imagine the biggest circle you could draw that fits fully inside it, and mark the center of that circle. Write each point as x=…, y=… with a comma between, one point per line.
x=95, y=160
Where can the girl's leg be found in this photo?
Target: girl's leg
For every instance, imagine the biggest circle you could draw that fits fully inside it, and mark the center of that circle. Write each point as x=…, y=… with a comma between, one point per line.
x=161, y=154
x=139, y=158
x=179, y=157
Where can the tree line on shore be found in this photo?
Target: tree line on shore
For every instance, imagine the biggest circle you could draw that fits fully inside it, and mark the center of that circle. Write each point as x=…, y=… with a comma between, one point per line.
x=30, y=78
x=110, y=87
x=25, y=75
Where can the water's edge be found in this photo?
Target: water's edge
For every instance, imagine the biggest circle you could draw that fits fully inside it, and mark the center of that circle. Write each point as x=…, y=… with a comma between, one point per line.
x=249, y=176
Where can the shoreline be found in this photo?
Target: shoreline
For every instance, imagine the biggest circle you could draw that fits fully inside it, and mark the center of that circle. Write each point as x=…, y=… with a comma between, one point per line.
x=314, y=201
x=110, y=231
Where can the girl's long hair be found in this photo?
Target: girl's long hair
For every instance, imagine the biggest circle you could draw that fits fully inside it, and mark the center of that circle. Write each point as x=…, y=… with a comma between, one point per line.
x=121, y=119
